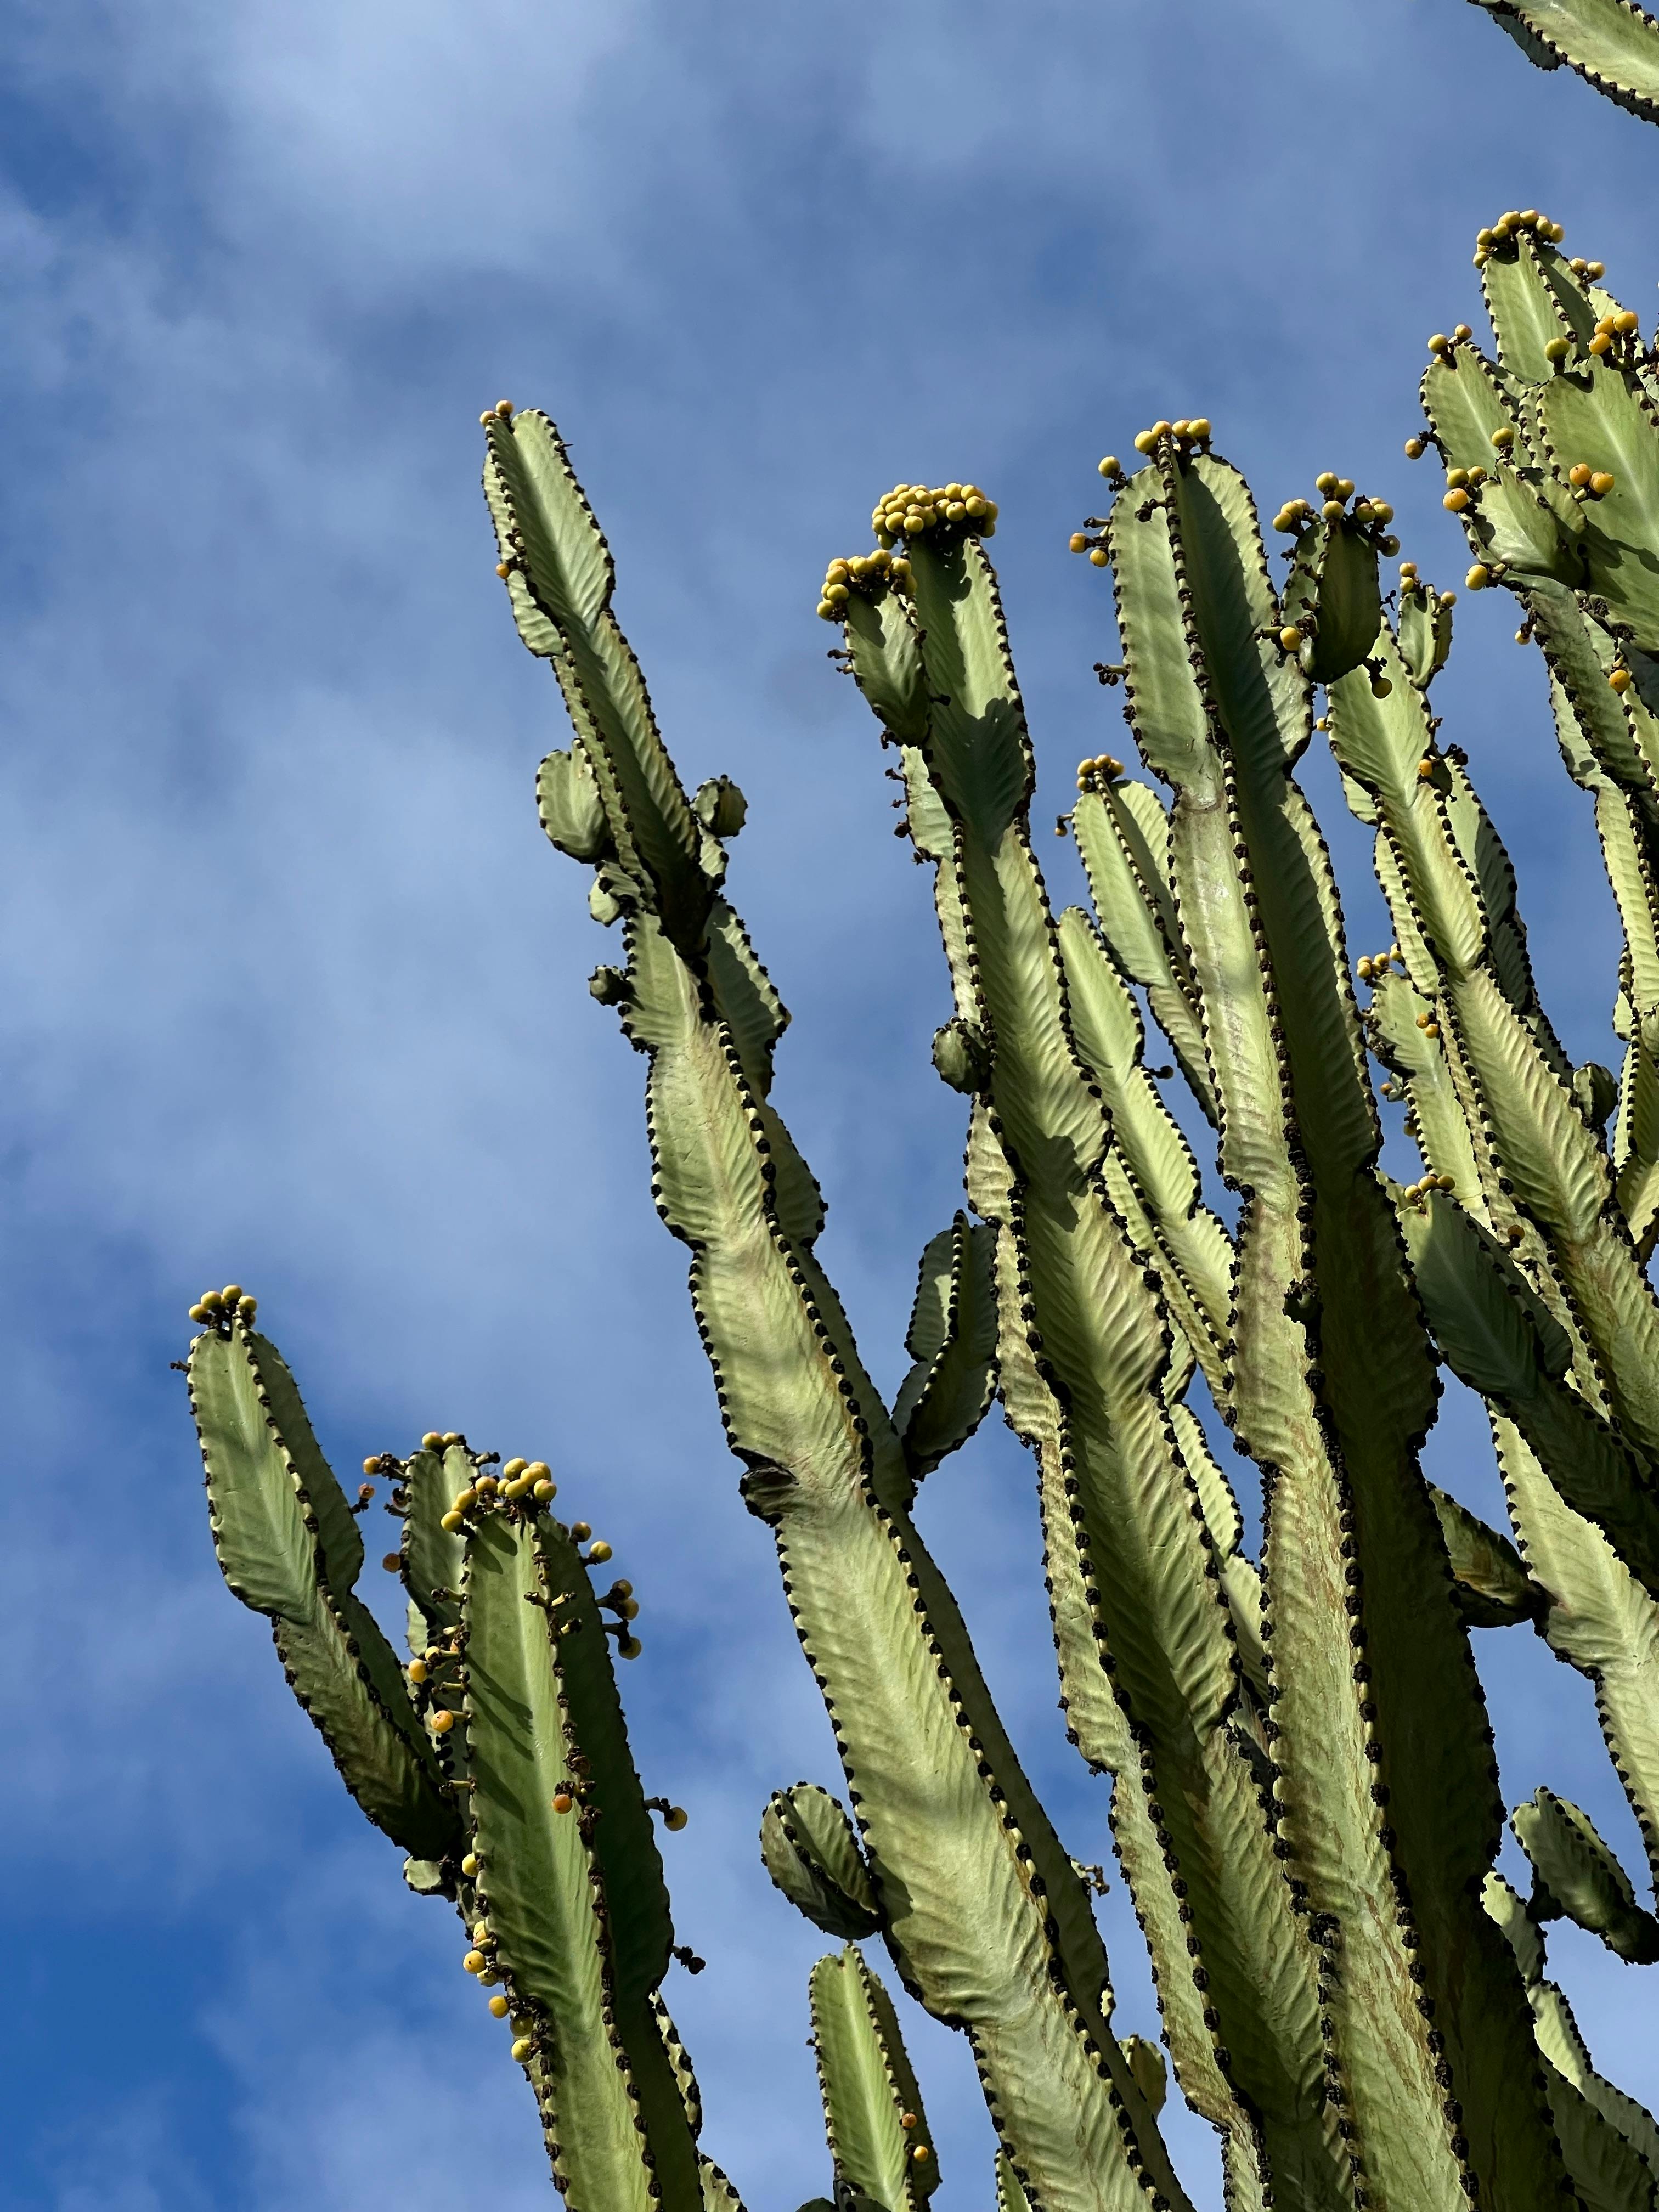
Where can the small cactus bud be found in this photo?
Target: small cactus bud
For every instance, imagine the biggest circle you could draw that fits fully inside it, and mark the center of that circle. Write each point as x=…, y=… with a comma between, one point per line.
x=1145, y=442
x=1557, y=348
x=503, y=569
x=1364, y=971
x=198, y=1312
x=475, y=1962
x=1425, y=769
x=1111, y=468
x=922, y=2154
x=504, y=409
x=500, y=2007
x=629, y=1648
x=443, y=1723
x=580, y=1532
x=1381, y=686
x=246, y=1307
x=470, y=1865
x=1325, y=482
x=393, y=1563
x=597, y=1553
x=431, y=1440
x=1440, y=344
x=1503, y=438
x=675, y=1819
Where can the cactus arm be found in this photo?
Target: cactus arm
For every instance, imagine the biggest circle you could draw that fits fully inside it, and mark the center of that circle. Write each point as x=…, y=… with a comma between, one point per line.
x=1494, y=1589
x=1097, y=1346
x=872, y=2111
x=1498, y=1337
x=279, y=1521
x=809, y=1848
x=1611, y=2143
x=987, y=1915
x=953, y=1339
x=1123, y=835
x=432, y=1557
x=551, y=1800
x=1602, y=414
x=1575, y=1874
x=1222, y=714
x=1011, y=2198
x=559, y=581
x=1520, y=519
x=1192, y=1250
x=1556, y=1164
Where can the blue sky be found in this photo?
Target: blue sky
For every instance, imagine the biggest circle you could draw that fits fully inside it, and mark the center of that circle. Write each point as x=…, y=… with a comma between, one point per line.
x=294, y=988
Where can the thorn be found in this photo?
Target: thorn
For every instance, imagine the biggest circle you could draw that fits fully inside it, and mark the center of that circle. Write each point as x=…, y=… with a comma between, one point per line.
x=689, y=1960
x=179, y=1366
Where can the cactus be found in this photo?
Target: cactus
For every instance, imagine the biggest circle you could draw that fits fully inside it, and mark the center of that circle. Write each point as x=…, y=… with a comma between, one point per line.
x=1612, y=44
x=1303, y=1794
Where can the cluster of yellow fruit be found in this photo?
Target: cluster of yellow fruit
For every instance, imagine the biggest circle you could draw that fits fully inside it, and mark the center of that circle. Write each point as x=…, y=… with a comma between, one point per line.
x=218, y=1307
x=1187, y=435
x=1594, y=484
x=1080, y=542
x=843, y=578
x=519, y=1479
x=1509, y=227
x=909, y=510
x=1102, y=766
x=1335, y=491
x=1440, y=345
x=1414, y=1193
x=1373, y=967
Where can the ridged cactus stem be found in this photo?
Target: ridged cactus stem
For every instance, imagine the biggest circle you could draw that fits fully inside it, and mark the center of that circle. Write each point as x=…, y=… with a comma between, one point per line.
x=1390, y=1813
x=1451, y=892
x=1136, y=1587
x=985, y=1914
x=499, y=1759
x=1612, y=44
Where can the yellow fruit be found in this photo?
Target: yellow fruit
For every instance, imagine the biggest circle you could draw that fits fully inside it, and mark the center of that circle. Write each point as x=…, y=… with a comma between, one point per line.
x=500, y=2007
x=1479, y=577
x=1289, y=637
x=1098, y=558
x=417, y=1670
x=1600, y=484
x=504, y=409
x=1110, y=467
x=522, y=2047
x=1627, y=322
x=599, y=1553
x=1145, y=442
x=1455, y=501
x=545, y=1489
x=563, y=1802
x=1600, y=343
x=1620, y=680
x=443, y=1723
x=1077, y=543
x=1415, y=449
x=676, y=1818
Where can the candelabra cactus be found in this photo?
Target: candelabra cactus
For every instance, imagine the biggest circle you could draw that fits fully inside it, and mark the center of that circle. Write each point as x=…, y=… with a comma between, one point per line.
x=1304, y=1796
x=1612, y=44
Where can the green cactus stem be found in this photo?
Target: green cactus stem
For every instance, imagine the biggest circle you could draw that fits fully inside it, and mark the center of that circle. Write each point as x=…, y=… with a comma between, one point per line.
x=985, y=1912
x=879, y=2139
x=1612, y=44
